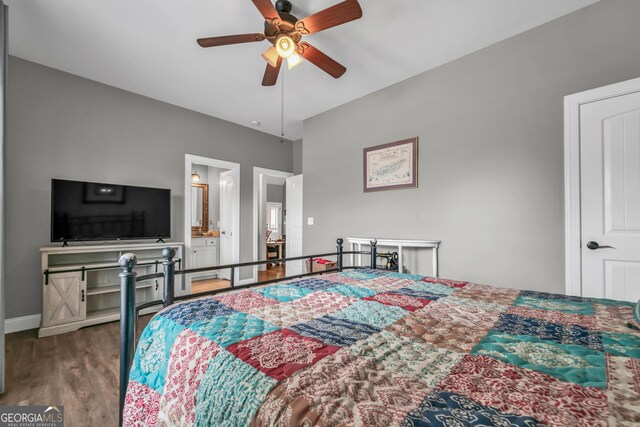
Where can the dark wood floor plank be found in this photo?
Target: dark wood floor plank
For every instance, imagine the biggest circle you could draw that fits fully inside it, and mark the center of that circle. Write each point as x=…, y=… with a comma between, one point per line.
x=78, y=370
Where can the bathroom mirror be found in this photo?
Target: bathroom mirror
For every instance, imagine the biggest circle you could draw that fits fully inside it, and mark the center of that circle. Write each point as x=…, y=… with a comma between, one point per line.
x=199, y=209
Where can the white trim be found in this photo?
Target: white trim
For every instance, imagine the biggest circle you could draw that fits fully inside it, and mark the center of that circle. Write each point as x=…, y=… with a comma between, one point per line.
x=189, y=160
x=24, y=323
x=572, y=104
x=256, y=191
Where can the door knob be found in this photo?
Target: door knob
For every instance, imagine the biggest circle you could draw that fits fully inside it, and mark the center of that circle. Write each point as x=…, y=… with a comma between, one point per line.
x=595, y=245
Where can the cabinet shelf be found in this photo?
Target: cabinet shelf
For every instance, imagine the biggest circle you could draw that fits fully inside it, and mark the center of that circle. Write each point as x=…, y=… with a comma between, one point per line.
x=114, y=288
x=113, y=313
x=107, y=314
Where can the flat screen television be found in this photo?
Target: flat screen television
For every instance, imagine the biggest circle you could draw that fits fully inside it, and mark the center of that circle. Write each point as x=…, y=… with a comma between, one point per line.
x=82, y=211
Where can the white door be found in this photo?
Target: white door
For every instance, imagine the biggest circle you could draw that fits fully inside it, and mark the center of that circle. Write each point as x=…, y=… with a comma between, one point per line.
x=610, y=197
x=227, y=218
x=294, y=224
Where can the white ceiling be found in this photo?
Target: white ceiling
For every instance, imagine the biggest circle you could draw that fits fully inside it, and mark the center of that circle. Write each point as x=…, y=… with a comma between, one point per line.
x=148, y=47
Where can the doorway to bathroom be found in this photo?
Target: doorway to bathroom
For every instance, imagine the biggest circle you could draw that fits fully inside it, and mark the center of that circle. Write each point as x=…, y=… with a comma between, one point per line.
x=212, y=220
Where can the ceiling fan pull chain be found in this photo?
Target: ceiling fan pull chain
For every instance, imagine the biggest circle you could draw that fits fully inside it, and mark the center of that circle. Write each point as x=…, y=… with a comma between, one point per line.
x=282, y=109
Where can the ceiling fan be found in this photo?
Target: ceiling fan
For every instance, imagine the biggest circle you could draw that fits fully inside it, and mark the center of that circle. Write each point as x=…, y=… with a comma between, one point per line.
x=285, y=32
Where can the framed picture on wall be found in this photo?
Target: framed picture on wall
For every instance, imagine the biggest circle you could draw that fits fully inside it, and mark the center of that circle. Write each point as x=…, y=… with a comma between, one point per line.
x=391, y=166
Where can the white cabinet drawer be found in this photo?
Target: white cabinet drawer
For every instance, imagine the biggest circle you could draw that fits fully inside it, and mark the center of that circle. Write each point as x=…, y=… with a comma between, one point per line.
x=199, y=242
x=202, y=242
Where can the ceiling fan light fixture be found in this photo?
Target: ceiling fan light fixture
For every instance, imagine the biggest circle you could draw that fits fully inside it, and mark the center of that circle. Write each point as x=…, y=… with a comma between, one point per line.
x=285, y=32
x=271, y=56
x=285, y=46
x=293, y=61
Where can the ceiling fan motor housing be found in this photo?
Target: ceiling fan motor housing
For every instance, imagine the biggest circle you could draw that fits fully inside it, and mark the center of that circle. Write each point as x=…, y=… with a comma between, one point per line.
x=287, y=25
x=283, y=6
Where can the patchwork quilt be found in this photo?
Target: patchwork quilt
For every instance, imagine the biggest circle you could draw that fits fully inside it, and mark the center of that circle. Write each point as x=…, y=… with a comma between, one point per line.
x=375, y=348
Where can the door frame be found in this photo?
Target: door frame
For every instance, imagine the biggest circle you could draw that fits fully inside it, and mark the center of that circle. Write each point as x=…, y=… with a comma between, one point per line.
x=256, y=191
x=189, y=160
x=572, y=203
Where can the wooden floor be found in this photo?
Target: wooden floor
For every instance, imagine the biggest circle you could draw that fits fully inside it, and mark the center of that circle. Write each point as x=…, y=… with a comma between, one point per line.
x=78, y=370
x=272, y=272
x=198, y=286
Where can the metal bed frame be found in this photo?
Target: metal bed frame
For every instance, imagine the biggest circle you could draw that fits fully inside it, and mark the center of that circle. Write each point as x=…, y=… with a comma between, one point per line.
x=130, y=312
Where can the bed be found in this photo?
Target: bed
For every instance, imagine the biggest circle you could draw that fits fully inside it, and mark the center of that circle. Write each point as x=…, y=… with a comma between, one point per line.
x=368, y=347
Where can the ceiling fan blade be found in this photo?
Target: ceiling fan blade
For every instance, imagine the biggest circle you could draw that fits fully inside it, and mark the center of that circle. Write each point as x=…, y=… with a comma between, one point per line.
x=225, y=40
x=346, y=11
x=321, y=60
x=271, y=74
x=268, y=10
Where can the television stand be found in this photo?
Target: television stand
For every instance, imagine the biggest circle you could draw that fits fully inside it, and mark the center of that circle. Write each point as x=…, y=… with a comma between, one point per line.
x=81, y=287
x=160, y=241
x=65, y=244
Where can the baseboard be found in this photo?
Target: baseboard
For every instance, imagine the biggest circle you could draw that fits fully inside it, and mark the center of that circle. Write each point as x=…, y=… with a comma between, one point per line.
x=17, y=324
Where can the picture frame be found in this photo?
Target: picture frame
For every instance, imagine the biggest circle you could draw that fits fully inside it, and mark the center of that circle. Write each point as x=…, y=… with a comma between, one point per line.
x=391, y=166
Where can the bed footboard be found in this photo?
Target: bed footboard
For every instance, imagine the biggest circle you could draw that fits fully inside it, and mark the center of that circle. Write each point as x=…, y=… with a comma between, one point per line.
x=129, y=311
x=127, y=321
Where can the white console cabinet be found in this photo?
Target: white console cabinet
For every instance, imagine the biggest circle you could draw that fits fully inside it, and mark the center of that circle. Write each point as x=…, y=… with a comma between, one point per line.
x=398, y=244
x=81, y=287
x=204, y=253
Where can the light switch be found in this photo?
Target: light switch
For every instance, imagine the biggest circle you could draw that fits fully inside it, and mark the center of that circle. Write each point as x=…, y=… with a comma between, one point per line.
x=310, y=220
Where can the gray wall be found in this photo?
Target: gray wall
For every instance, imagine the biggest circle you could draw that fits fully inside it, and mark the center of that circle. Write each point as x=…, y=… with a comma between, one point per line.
x=64, y=126
x=490, y=153
x=297, y=157
x=276, y=194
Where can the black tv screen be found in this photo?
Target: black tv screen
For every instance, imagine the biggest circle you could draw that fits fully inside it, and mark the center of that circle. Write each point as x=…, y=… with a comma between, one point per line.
x=95, y=211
